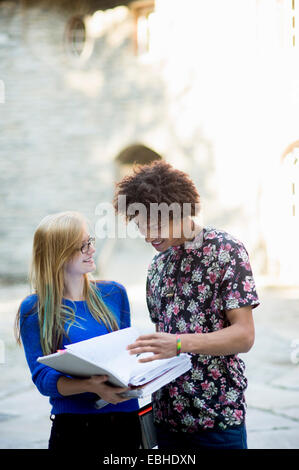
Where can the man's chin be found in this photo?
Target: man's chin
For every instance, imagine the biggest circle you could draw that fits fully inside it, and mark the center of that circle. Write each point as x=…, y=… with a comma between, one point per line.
x=160, y=246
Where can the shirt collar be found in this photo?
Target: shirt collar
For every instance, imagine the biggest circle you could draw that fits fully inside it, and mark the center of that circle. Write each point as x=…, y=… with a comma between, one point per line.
x=194, y=244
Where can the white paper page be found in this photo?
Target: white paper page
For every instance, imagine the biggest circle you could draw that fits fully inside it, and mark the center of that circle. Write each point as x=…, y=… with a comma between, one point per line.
x=144, y=372
x=159, y=382
x=166, y=378
x=74, y=365
x=110, y=351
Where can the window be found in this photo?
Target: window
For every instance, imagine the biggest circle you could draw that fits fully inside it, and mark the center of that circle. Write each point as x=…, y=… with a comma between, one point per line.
x=78, y=43
x=290, y=13
x=142, y=11
x=291, y=170
x=293, y=24
x=277, y=23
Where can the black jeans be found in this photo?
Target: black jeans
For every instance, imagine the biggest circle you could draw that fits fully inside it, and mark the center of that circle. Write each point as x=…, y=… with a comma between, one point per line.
x=95, y=433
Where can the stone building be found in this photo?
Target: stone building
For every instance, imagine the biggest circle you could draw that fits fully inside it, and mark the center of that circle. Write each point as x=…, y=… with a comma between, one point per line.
x=211, y=86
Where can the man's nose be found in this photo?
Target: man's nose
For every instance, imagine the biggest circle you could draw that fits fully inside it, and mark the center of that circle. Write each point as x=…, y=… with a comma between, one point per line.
x=152, y=235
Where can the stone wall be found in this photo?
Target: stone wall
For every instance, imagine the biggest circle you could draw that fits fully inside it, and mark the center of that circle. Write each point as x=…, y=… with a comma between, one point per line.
x=64, y=121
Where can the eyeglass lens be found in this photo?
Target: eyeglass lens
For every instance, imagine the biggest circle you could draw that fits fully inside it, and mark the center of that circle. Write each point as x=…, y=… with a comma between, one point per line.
x=86, y=246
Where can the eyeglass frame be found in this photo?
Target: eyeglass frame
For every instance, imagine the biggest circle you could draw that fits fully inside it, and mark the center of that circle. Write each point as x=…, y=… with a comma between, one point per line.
x=91, y=241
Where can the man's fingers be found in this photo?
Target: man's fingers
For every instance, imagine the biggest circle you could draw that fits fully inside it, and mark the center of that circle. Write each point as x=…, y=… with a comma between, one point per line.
x=143, y=340
x=147, y=337
x=144, y=346
x=151, y=358
x=144, y=349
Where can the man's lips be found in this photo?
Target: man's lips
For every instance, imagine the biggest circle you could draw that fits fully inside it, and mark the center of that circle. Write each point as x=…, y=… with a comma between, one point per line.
x=157, y=243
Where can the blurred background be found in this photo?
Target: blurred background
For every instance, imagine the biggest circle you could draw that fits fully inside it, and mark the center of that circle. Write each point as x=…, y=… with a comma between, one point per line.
x=87, y=89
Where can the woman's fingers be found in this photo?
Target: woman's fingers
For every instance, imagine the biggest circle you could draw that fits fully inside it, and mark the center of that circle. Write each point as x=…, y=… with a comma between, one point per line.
x=99, y=378
x=120, y=389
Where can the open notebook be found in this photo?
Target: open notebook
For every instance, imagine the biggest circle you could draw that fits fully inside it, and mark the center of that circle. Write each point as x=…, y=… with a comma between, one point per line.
x=107, y=355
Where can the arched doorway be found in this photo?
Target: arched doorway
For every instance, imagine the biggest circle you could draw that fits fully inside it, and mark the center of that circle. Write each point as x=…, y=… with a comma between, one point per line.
x=134, y=154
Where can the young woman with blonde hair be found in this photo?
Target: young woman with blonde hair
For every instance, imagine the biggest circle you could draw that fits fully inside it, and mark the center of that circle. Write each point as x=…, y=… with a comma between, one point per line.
x=68, y=306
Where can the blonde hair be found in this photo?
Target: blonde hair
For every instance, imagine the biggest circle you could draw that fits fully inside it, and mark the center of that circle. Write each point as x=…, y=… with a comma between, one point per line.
x=56, y=241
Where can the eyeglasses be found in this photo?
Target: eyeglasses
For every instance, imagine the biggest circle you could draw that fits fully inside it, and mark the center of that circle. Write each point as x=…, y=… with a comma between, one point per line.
x=86, y=246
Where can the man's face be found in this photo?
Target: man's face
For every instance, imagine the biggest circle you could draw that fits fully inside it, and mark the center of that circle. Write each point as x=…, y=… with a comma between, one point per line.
x=163, y=235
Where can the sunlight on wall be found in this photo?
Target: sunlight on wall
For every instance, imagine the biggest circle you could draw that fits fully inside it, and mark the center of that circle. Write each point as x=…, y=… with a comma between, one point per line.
x=232, y=68
x=231, y=72
x=88, y=82
x=102, y=21
x=206, y=58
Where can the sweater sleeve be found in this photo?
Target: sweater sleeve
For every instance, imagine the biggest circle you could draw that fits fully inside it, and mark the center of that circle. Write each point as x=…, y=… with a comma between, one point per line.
x=44, y=377
x=125, y=316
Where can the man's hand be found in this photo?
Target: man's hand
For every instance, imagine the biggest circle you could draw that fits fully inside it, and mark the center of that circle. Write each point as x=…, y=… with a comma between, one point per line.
x=162, y=345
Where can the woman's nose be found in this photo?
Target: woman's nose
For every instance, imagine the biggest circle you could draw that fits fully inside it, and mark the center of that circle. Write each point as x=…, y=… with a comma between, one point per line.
x=91, y=249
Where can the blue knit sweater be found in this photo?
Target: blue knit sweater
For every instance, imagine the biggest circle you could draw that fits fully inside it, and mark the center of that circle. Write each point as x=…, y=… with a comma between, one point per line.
x=45, y=378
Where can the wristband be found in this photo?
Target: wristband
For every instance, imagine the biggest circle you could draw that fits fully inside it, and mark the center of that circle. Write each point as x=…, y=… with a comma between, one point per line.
x=178, y=345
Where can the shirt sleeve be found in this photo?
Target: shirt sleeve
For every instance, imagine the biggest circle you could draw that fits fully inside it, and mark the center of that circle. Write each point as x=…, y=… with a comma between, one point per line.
x=237, y=288
x=44, y=377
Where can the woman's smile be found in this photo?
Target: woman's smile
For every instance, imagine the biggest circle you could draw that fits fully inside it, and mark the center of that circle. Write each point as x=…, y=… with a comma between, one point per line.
x=89, y=260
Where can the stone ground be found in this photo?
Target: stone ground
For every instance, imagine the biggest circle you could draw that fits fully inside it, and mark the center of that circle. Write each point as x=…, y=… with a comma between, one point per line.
x=272, y=394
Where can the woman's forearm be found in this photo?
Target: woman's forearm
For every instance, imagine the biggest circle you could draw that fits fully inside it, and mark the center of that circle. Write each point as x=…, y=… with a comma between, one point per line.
x=96, y=384
x=67, y=386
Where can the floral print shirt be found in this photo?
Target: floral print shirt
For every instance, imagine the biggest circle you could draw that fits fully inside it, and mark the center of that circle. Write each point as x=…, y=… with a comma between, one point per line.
x=189, y=287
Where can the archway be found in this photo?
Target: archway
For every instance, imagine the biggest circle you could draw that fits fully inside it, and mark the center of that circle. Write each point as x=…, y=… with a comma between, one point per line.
x=135, y=154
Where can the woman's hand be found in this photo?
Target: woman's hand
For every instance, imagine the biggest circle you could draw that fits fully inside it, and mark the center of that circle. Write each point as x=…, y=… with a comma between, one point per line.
x=97, y=384
x=163, y=345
